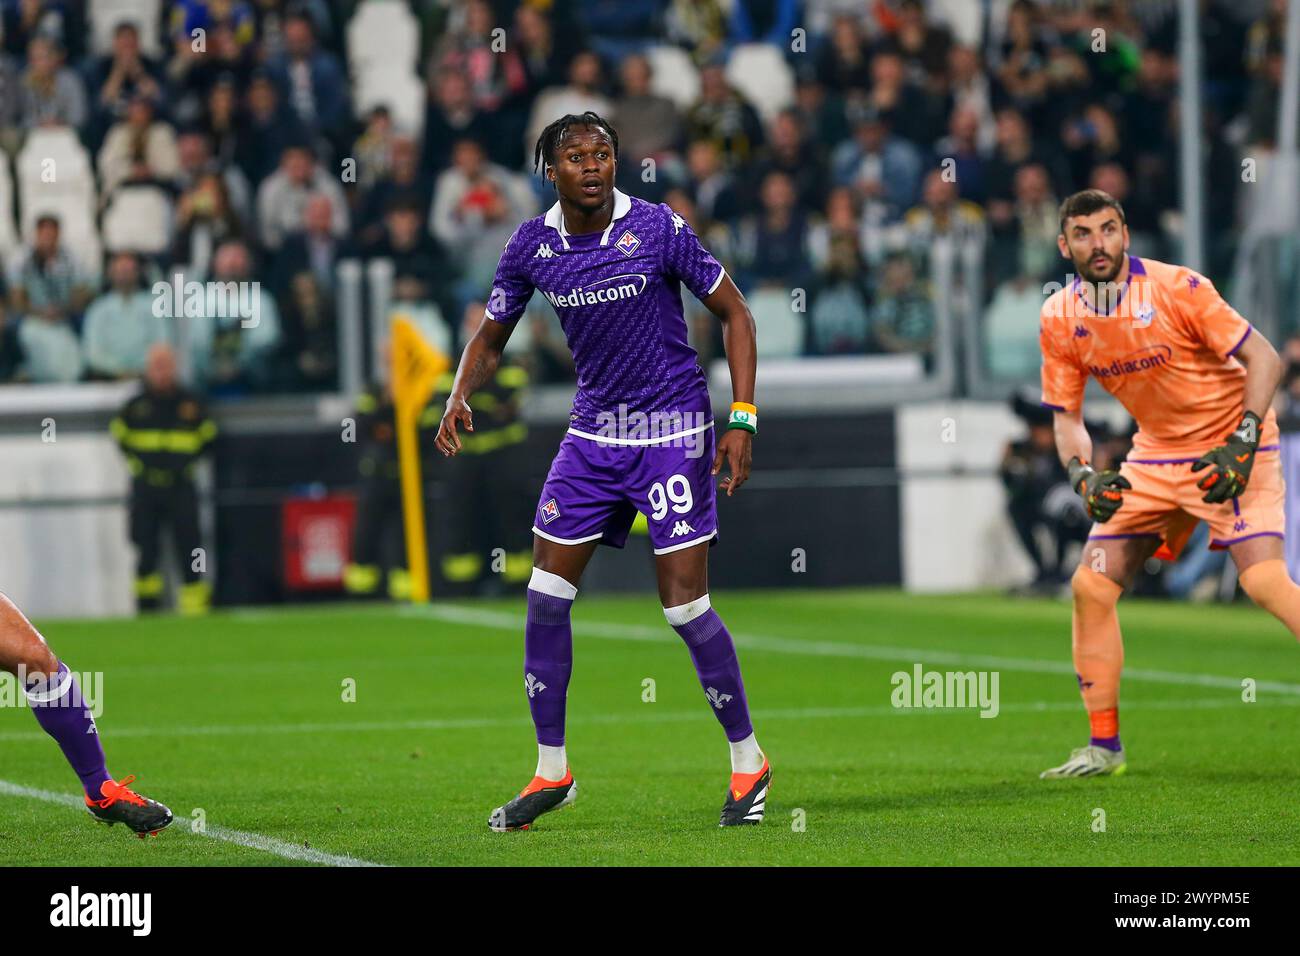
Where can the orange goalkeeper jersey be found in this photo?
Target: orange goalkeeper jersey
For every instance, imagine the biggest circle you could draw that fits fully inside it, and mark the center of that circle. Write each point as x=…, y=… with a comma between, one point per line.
x=1163, y=345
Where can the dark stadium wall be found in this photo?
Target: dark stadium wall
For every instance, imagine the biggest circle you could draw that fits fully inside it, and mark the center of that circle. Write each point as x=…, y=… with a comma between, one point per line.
x=821, y=508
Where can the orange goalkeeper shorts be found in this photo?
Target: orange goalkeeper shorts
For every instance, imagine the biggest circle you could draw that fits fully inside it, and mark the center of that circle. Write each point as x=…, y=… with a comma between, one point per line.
x=1164, y=503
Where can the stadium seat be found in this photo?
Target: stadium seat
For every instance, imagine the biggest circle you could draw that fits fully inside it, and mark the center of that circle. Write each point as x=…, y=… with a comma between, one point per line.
x=780, y=328
x=8, y=229
x=395, y=87
x=138, y=219
x=383, y=32
x=761, y=74
x=673, y=75
x=67, y=192
x=105, y=15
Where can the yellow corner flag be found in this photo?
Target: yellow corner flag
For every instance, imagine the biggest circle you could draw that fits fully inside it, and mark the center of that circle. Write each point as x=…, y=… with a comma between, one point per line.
x=416, y=367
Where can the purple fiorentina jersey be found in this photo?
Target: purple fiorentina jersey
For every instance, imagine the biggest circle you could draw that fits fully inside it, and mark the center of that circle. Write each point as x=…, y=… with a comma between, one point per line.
x=618, y=297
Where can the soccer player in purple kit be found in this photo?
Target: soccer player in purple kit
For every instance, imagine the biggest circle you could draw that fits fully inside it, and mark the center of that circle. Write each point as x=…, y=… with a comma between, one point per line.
x=640, y=437
x=55, y=699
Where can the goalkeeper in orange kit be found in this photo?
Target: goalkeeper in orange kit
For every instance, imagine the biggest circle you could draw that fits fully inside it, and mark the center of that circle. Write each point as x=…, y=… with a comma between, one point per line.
x=1198, y=380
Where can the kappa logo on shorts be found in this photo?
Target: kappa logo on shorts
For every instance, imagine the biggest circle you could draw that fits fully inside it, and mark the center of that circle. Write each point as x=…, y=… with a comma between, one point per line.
x=681, y=527
x=627, y=243
x=550, y=511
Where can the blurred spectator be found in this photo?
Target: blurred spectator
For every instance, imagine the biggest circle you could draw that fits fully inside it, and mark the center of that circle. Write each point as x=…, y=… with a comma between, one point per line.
x=46, y=280
x=1016, y=147
x=1010, y=338
x=205, y=218
x=452, y=116
x=650, y=127
x=283, y=196
x=21, y=20
x=545, y=51
x=912, y=111
x=711, y=186
x=698, y=25
x=476, y=206
x=404, y=239
x=195, y=160
x=840, y=319
x=310, y=336
x=960, y=151
x=222, y=121
x=51, y=94
x=969, y=88
x=883, y=170
x=902, y=316
x=226, y=53
x=404, y=178
x=923, y=46
x=311, y=80
x=724, y=117
x=265, y=130
x=373, y=149
x=234, y=341
x=414, y=301
x=139, y=149
x=496, y=75
x=121, y=324
x=312, y=248
x=843, y=63
x=584, y=91
x=773, y=246
x=947, y=235
x=119, y=78
x=790, y=151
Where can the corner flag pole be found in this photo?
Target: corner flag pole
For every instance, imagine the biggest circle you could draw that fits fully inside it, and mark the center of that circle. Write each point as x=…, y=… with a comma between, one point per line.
x=416, y=367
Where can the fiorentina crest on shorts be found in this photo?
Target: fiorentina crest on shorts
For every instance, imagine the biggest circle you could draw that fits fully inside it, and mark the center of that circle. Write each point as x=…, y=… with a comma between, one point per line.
x=627, y=243
x=550, y=511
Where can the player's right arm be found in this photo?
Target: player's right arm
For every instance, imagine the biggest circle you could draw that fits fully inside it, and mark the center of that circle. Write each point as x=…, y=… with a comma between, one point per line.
x=477, y=366
x=511, y=291
x=1064, y=379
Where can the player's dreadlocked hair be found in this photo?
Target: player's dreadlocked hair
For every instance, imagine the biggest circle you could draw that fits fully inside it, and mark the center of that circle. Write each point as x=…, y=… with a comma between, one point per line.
x=549, y=141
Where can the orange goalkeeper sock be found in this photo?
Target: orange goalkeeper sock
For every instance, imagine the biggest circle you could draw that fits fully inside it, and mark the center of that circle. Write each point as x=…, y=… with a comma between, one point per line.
x=1098, y=652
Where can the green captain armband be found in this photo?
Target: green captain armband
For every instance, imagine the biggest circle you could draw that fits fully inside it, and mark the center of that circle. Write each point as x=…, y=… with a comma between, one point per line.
x=743, y=415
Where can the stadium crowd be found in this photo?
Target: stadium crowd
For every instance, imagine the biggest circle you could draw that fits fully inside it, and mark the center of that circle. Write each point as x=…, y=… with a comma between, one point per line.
x=861, y=150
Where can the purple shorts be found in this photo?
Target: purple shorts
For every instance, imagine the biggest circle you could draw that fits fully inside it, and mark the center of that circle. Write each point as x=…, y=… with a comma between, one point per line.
x=594, y=490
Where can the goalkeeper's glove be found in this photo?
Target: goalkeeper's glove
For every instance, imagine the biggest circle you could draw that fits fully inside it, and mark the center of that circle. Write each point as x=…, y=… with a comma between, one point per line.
x=1102, y=491
x=1230, y=463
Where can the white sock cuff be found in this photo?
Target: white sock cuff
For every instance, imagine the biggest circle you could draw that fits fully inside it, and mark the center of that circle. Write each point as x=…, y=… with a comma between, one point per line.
x=544, y=582
x=685, y=613
x=45, y=693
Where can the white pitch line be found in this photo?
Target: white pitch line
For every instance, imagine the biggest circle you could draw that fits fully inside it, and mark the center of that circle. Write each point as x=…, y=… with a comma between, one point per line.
x=460, y=614
x=475, y=723
x=253, y=841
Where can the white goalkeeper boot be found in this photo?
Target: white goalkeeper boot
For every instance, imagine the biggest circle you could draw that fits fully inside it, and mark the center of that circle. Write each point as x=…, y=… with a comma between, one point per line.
x=1090, y=761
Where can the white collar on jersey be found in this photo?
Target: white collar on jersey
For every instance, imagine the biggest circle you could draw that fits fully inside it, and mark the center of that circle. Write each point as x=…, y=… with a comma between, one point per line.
x=555, y=217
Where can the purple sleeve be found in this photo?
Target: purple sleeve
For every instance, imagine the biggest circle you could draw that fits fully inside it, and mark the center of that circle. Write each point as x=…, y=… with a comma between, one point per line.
x=686, y=259
x=511, y=289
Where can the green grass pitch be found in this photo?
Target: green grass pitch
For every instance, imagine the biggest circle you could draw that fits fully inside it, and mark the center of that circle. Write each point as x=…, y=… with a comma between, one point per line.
x=241, y=715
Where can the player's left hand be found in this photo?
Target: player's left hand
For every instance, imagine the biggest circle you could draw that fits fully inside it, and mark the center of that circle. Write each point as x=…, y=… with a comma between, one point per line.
x=1230, y=463
x=736, y=448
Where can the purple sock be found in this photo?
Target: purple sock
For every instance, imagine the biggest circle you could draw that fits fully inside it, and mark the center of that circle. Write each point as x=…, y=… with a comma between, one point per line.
x=548, y=662
x=714, y=654
x=1110, y=743
x=64, y=715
